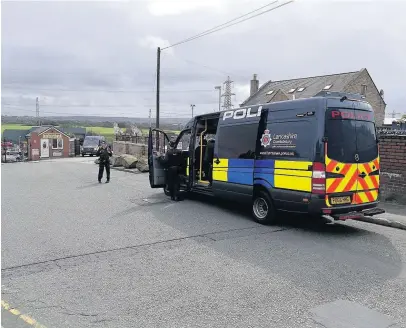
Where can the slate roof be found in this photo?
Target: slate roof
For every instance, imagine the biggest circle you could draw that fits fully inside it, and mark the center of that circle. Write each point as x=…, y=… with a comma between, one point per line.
x=312, y=86
x=14, y=135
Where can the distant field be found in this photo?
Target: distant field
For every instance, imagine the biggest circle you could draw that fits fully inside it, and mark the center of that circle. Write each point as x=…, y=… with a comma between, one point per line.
x=15, y=127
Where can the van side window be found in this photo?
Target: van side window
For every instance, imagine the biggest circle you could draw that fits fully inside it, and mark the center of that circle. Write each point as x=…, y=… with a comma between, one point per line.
x=289, y=140
x=237, y=141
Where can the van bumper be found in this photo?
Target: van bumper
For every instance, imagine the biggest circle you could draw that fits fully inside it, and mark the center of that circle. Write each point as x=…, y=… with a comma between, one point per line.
x=318, y=207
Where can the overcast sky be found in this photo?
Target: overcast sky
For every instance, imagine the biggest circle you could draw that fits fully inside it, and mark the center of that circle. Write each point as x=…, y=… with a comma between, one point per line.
x=79, y=58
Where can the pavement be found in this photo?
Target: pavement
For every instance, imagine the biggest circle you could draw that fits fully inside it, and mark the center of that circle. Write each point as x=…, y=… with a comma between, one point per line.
x=76, y=253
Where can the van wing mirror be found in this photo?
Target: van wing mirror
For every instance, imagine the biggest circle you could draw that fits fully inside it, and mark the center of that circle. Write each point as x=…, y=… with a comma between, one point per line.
x=217, y=161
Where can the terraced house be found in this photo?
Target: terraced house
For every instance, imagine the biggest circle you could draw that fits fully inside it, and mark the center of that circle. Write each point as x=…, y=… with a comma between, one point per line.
x=353, y=82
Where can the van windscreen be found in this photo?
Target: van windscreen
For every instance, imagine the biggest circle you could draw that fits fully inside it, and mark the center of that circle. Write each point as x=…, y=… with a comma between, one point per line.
x=91, y=141
x=350, y=133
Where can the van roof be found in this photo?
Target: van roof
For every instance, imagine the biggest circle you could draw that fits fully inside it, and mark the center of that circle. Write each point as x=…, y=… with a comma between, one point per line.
x=281, y=105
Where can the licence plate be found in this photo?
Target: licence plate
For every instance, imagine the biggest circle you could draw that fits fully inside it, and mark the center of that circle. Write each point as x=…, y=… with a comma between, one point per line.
x=340, y=200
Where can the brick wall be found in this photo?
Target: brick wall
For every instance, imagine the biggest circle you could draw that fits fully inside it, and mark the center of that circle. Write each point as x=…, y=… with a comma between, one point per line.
x=393, y=166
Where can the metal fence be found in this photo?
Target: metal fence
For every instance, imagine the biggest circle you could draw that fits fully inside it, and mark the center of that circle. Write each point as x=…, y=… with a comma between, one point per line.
x=390, y=132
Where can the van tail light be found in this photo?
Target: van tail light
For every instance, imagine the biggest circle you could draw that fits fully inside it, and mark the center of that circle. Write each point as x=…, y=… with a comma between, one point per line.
x=319, y=179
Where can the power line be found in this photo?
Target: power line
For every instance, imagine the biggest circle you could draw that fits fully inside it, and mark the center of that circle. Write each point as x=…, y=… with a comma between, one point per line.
x=210, y=68
x=218, y=26
x=227, y=24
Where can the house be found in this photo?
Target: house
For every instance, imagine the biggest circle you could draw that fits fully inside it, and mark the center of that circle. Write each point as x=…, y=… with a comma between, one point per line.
x=352, y=82
x=48, y=142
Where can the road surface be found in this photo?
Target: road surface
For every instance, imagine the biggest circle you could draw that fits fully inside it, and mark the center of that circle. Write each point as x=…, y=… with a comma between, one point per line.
x=76, y=253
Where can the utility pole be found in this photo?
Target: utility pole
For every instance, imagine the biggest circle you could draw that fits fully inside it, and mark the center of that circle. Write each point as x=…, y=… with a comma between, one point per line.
x=219, y=89
x=227, y=94
x=192, y=106
x=37, y=111
x=150, y=123
x=158, y=76
x=5, y=149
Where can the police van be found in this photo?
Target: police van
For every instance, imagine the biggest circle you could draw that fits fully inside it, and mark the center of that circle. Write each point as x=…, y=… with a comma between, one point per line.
x=317, y=156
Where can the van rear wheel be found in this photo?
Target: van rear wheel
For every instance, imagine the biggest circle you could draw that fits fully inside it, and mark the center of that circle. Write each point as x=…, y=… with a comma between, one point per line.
x=263, y=209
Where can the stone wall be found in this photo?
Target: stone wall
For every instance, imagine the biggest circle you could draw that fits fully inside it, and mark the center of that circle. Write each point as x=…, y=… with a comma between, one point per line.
x=393, y=167
x=372, y=94
x=124, y=147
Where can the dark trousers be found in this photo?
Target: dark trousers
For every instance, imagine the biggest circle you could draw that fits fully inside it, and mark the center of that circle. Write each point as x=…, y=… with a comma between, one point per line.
x=173, y=181
x=101, y=170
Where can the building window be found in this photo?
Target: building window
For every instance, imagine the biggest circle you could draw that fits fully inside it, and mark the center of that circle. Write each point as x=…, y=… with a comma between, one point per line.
x=57, y=143
x=292, y=90
x=237, y=141
x=269, y=92
x=300, y=89
x=363, y=90
x=327, y=87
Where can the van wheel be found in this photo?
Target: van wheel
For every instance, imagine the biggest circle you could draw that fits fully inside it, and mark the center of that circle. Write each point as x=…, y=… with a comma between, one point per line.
x=263, y=209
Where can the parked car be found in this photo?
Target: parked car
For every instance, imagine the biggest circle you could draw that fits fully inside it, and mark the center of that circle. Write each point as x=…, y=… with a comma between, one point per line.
x=11, y=157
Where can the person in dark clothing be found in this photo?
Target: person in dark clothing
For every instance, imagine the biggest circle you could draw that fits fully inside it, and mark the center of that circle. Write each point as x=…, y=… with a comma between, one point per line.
x=208, y=160
x=173, y=162
x=104, y=154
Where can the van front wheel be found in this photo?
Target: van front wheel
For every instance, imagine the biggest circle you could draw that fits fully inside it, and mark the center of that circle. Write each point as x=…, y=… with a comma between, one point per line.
x=263, y=209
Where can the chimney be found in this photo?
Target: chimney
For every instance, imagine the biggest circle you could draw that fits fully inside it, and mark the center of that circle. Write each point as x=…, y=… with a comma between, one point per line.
x=254, y=85
x=382, y=93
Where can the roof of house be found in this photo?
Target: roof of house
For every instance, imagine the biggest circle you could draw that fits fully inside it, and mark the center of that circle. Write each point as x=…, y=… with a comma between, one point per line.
x=74, y=130
x=14, y=135
x=303, y=87
x=41, y=129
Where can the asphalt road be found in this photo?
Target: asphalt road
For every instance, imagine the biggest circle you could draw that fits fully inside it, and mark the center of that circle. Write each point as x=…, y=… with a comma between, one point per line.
x=79, y=254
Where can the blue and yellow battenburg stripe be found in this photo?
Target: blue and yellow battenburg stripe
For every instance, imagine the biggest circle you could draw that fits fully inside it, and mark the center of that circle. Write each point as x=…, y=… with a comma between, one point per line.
x=291, y=175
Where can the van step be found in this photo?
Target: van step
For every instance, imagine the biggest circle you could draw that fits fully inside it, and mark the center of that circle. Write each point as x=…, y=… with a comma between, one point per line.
x=348, y=216
x=373, y=211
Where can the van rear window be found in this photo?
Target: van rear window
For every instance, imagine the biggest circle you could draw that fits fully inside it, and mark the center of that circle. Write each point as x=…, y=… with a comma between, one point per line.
x=350, y=133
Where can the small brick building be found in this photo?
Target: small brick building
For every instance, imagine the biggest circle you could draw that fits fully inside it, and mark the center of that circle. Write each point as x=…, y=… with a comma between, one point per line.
x=47, y=142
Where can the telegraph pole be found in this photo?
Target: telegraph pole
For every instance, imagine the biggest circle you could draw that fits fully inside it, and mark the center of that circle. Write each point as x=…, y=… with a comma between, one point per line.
x=37, y=111
x=192, y=106
x=150, y=124
x=158, y=73
x=219, y=89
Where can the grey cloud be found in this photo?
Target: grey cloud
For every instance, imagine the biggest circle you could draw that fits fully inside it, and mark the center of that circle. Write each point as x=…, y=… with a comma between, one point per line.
x=84, y=45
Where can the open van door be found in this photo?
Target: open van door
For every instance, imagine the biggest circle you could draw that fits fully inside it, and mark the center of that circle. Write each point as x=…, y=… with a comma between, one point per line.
x=158, y=144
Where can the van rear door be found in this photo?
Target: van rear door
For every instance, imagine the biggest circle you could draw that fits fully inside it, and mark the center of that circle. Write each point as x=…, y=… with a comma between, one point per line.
x=351, y=157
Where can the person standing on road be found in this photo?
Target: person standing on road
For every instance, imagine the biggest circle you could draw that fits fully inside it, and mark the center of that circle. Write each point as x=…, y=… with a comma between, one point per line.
x=104, y=154
x=172, y=162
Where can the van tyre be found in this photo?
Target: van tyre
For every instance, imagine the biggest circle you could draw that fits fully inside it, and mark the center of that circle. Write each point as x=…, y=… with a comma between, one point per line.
x=263, y=209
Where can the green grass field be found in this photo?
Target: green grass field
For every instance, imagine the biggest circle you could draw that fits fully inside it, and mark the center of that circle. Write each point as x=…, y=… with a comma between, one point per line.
x=15, y=127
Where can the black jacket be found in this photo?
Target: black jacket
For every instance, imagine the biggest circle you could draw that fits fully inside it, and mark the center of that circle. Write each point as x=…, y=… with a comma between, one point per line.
x=104, y=154
x=173, y=157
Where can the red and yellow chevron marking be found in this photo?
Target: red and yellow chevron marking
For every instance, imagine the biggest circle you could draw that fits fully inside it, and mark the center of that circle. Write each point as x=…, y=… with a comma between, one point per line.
x=342, y=184
x=365, y=197
x=366, y=189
